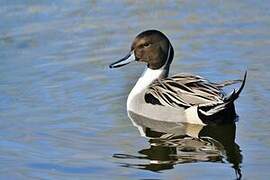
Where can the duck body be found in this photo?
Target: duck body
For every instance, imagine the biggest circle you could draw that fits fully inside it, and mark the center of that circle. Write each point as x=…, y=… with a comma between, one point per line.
x=184, y=98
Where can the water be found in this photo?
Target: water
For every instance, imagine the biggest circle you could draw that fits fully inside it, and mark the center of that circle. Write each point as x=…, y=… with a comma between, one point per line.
x=62, y=110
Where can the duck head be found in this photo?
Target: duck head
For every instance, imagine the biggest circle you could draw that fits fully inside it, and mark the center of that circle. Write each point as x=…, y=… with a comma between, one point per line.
x=151, y=47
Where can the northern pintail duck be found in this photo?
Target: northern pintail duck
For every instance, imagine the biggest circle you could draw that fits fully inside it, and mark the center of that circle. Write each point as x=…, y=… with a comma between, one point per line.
x=183, y=97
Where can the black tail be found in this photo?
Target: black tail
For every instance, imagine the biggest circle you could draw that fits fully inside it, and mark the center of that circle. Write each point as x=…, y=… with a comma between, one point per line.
x=234, y=95
x=221, y=112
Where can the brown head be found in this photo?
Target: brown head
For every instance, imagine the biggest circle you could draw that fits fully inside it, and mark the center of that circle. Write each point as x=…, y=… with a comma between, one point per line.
x=151, y=47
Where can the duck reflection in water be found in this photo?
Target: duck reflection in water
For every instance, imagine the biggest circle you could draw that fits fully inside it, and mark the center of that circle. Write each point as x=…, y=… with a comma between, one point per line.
x=176, y=143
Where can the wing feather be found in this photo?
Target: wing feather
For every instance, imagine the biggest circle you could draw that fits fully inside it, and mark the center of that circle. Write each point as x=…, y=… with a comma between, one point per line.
x=184, y=90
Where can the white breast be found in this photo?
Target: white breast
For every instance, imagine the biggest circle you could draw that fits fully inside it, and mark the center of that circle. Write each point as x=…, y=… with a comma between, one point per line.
x=136, y=96
x=136, y=102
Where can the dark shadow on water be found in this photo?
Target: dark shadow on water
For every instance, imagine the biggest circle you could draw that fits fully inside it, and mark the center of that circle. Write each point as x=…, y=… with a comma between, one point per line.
x=175, y=143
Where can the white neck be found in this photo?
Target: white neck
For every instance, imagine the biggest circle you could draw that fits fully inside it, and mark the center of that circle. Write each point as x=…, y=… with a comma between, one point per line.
x=144, y=81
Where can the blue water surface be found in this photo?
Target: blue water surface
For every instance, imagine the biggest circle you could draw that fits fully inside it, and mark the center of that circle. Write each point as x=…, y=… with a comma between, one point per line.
x=62, y=110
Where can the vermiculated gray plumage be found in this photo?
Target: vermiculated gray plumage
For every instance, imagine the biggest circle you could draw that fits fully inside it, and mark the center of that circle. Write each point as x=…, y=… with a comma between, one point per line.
x=186, y=90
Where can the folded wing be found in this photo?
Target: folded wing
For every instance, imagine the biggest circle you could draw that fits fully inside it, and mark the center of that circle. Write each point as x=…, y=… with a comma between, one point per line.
x=186, y=90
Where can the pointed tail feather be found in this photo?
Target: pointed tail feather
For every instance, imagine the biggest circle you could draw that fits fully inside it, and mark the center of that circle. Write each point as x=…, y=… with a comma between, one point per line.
x=223, y=110
x=235, y=94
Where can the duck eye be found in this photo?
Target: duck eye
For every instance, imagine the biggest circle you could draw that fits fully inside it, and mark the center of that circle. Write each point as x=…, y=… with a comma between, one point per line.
x=146, y=45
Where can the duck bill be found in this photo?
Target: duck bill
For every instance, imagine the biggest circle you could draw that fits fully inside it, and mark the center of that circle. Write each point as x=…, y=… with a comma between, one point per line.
x=125, y=60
